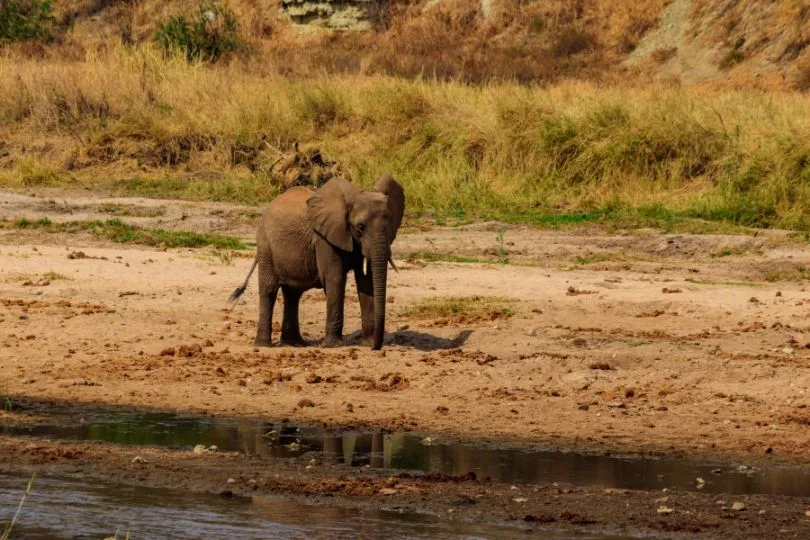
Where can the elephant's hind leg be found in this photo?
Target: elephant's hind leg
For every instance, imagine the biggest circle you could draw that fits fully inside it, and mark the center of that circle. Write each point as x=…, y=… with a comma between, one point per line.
x=290, y=329
x=268, y=292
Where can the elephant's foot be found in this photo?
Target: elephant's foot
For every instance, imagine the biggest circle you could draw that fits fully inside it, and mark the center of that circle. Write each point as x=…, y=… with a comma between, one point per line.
x=332, y=341
x=262, y=342
x=293, y=340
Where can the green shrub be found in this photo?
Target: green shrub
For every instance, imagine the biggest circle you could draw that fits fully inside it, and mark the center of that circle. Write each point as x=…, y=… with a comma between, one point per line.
x=25, y=19
x=212, y=32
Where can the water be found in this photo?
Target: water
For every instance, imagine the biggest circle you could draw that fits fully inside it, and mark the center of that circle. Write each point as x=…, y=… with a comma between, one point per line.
x=406, y=451
x=78, y=509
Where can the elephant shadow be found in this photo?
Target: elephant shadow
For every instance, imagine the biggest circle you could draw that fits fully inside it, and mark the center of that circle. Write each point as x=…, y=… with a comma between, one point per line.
x=421, y=341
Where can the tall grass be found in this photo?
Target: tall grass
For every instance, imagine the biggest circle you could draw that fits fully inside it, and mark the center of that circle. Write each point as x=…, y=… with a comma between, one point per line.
x=6, y=532
x=136, y=121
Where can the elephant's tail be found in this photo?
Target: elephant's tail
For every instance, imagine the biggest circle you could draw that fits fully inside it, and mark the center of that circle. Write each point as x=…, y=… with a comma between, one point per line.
x=241, y=290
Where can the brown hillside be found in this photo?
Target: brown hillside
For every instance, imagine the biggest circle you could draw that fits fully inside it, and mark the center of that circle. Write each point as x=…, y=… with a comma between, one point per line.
x=679, y=41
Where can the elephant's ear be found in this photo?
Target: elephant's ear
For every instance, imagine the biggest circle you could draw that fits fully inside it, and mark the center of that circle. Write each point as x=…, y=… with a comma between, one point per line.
x=328, y=212
x=396, y=203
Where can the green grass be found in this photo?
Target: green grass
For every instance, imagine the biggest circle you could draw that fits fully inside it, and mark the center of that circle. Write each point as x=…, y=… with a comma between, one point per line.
x=564, y=155
x=435, y=256
x=735, y=251
x=472, y=307
x=729, y=283
x=123, y=233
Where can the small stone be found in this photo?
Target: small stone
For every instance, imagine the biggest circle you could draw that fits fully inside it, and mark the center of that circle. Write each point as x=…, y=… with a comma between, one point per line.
x=754, y=300
x=717, y=471
x=230, y=481
x=583, y=407
x=199, y=449
x=139, y=459
x=788, y=350
x=700, y=482
x=520, y=499
x=211, y=450
x=778, y=293
x=305, y=403
x=807, y=513
x=387, y=491
x=738, y=506
x=664, y=510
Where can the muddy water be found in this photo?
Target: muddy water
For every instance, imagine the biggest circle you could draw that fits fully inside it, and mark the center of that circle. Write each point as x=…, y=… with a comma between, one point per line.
x=406, y=451
x=72, y=508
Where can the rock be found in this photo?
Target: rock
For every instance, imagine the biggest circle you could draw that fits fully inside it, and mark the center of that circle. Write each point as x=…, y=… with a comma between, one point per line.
x=139, y=459
x=583, y=407
x=199, y=449
x=305, y=403
x=230, y=481
x=754, y=300
x=387, y=491
x=520, y=499
x=788, y=350
x=700, y=482
x=664, y=510
x=738, y=506
x=427, y=441
x=717, y=471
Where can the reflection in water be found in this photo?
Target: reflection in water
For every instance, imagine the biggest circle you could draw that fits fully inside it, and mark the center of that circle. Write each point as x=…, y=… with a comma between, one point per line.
x=407, y=452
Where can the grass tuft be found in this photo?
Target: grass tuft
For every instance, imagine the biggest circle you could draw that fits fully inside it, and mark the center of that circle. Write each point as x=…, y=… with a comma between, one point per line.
x=464, y=308
x=124, y=233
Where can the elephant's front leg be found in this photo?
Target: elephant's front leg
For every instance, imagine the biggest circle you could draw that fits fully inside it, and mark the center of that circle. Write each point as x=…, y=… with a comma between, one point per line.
x=335, y=288
x=365, y=292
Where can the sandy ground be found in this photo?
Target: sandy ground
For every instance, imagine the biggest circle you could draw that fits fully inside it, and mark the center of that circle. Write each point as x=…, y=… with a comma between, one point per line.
x=633, y=342
x=667, y=347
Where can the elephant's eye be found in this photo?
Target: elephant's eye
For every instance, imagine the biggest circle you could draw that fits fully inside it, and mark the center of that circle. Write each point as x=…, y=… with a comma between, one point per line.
x=361, y=227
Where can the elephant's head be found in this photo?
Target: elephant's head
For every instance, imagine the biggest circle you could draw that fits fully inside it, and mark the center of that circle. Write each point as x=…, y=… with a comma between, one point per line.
x=352, y=219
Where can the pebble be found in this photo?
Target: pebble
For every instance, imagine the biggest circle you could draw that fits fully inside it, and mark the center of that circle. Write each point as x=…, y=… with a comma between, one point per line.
x=139, y=459
x=387, y=491
x=520, y=499
x=738, y=506
x=664, y=510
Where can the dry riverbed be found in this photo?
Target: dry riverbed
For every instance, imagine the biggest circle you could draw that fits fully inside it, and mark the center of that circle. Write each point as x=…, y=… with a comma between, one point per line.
x=637, y=342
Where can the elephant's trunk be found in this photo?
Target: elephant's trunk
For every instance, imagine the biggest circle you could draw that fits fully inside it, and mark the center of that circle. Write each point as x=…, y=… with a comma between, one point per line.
x=380, y=254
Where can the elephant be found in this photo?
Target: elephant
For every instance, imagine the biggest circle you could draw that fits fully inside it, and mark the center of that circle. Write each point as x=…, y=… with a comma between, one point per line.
x=310, y=239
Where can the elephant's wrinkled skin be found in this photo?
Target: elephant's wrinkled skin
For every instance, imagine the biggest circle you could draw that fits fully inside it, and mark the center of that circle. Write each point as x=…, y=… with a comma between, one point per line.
x=311, y=239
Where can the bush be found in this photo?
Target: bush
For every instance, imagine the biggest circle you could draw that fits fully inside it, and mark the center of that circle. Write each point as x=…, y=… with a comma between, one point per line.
x=25, y=19
x=212, y=33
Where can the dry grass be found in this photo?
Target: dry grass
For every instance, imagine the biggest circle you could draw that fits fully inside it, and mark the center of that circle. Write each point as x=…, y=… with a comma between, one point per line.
x=461, y=309
x=131, y=121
